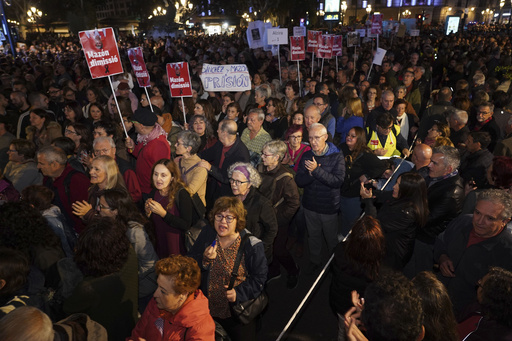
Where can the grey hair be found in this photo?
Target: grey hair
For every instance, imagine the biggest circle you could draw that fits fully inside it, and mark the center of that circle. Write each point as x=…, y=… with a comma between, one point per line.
x=488, y=104
x=254, y=176
x=451, y=156
x=26, y=323
x=261, y=114
x=276, y=147
x=401, y=87
x=228, y=126
x=460, y=115
x=498, y=197
x=262, y=92
x=53, y=154
x=190, y=139
x=318, y=126
x=387, y=92
x=317, y=109
x=104, y=139
x=421, y=68
x=479, y=79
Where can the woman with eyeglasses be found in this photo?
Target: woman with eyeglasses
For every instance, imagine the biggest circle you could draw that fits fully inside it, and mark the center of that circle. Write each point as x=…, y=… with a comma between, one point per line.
x=114, y=203
x=21, y=170
x=215, y=250
x=82, y=136
x=261, y=218
x=296, y=148
x=371, y=99
x=169, y=207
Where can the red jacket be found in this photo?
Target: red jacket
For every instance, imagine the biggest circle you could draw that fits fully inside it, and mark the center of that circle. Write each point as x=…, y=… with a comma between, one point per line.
x=192, y=322
x=146, y=156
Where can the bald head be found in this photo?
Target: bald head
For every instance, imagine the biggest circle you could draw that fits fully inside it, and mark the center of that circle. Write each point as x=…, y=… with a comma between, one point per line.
x=421, y=155
x=158, y=101
x=312, y=114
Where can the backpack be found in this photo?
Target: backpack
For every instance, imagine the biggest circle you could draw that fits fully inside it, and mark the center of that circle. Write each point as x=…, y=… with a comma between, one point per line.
x=268, y=188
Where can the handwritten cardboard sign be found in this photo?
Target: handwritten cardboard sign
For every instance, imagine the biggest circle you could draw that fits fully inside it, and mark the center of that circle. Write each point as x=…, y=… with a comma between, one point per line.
x=299, y=31
x=179, y=79
x=233, y=77
x=277, y=36
x=101, y=53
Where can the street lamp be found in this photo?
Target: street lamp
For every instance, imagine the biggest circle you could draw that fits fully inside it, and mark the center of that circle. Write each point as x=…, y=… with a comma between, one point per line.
x=158, y=12
x=502, y=3
x=369, y=9
x=183, y=8
x=406, y=13
x=343, y=10
x=33, y=14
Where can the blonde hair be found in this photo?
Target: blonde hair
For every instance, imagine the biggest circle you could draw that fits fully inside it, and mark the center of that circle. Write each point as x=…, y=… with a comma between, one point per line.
x=109, y=165
x=27, y=324
x=355, y=107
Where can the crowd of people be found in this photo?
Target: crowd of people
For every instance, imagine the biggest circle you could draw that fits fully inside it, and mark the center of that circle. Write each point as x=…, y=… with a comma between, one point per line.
x=138, y=216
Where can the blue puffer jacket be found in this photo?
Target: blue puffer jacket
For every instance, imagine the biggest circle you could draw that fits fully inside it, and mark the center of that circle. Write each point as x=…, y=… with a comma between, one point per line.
x=322, y=186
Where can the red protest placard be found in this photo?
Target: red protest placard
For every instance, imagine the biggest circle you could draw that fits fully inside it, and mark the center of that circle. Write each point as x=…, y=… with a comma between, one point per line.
x=325, y=47
x=337, y=45
x=297, y=48
x=376, y=24
x=313, y=37
x=136, y=58
x=101, y=53
x=179, y=79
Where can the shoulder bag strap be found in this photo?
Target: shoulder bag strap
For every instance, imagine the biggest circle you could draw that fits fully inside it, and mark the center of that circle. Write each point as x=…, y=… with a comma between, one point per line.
x=238, y=260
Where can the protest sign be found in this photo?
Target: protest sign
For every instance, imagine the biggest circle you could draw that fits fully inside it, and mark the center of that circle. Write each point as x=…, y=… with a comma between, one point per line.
x=377, y=24
x=179, y=79
x=297, y=48
x=299, y=31
x=255, y=34
x=337, y=43
x=313, y=37
x=369, y=33
x=277, y=36
x=325, y=46
x=362, y=32
x=136, y=58
x=352, y=39
x=379, y=56
x=101, y=53
x=401, y=31
x=233, y=77
x=414, y=33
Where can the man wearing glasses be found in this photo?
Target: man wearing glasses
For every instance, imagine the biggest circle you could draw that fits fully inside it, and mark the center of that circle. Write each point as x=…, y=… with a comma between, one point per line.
x=322, y=102
x=386, y=140
x=486, y=122
x=321, y=173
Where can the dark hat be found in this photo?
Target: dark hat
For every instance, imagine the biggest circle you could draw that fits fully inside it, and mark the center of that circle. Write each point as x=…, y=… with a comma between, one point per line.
x=123, y=86
x=145, y=117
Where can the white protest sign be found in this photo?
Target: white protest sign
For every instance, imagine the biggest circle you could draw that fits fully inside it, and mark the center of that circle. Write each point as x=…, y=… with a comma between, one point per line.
x=299, y=31
x=233, y=77
x=362, y=32
x=414, y=33
x=255, y=34
x=369, y=33
x=277, y=36
x=379, y=56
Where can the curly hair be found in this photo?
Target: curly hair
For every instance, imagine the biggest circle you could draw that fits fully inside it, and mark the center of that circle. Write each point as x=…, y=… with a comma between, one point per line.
x=438, y=319
x=495, y=296
x=175, y=184
x=245, y=167
x=392, y=309
x=183, y=270
x=22, y=228
x=102, y=248
x=14, y=269
x=232, y=205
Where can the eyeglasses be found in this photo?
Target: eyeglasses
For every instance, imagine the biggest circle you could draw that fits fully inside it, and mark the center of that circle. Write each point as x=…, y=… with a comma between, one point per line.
x=102, y=151
x=388, y=128
x=295, y=137
x=318, y=104
x=316, y=138
x=101, y=207
x=67, y=131
x=267, y=155
x=12, y=151
x=229, y=218
x=483, y=113
x=236, y=182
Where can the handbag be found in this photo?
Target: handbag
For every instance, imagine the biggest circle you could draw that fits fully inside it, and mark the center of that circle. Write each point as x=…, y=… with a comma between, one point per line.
x=246, y=311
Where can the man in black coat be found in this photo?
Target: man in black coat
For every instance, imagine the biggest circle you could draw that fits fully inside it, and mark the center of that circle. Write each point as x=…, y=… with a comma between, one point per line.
x=217, y=159
x=476, y=159
x=445, y=199
x=485, y=122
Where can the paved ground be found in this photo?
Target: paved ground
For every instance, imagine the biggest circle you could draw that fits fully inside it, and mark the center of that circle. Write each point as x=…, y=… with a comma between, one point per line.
x=316, y=321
